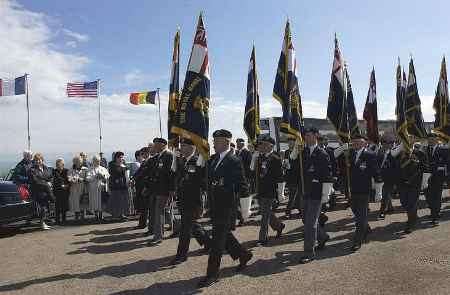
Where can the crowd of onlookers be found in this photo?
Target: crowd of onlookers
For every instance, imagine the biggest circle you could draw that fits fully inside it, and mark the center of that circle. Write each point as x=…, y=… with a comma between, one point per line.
x=89, y=186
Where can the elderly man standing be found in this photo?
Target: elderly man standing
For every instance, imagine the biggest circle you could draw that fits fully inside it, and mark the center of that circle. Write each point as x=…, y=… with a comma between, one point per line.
x=317, y=187
x=162, y=189
x=226, y=183
x=363, y=167
x=270, y=176
x=20, y=173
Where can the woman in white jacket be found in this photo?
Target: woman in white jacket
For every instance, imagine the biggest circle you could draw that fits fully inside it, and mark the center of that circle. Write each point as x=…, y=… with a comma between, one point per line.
x=97, y=178
x=77, y=176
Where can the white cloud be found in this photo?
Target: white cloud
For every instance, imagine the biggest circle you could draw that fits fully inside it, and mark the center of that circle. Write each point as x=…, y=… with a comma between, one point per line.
x=76, y=36
x=137, y=78
x=71, y=44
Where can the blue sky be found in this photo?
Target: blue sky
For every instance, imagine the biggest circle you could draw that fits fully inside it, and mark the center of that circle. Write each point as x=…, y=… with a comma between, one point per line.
x=128, y=45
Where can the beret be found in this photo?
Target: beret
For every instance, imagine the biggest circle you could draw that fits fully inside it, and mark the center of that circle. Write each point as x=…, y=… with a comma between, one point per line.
x=159, y=140
x=266, y=138
x=184, y=140
x=311, y=129
x=240, y=140
x=222, y=133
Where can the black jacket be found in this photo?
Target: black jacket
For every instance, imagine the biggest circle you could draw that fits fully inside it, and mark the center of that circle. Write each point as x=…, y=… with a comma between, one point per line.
x=269, y=173
x=190, y=182
x=225, y=185
x=117, y=179
x=61, y=182
x=292, y=174
x=163, y=176
x=21, y=173
x=41, y=184
x=246, y=157
x=362, y=171
x=389, y=168
x=316, y=170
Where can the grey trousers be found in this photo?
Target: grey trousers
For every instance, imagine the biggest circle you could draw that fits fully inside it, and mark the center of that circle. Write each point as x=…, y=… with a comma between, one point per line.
x=158, y=213
x=267, y=218
x=360, y=205
x=313, y=231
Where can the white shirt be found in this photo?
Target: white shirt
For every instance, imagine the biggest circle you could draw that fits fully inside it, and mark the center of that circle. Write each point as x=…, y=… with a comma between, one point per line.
x=222, y=155
x=312, y=148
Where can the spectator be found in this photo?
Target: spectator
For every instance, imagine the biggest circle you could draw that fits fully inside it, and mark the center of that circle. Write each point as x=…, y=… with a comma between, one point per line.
x=103, y=161
x=41, y=187
x=97, y=177
x=77, y=176
x=20, y=173
x=118, y=201
x=61, y=190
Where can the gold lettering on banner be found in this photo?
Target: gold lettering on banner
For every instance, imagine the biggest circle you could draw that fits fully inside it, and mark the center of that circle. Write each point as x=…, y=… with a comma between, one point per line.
x=186, y=97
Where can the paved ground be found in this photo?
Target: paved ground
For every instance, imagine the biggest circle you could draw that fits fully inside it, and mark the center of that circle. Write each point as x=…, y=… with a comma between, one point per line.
x=113, y=259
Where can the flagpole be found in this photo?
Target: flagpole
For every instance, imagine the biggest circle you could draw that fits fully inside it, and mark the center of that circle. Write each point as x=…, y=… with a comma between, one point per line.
x=28, y=113
x=159, y=113
x=99, y=115
x=346, y=153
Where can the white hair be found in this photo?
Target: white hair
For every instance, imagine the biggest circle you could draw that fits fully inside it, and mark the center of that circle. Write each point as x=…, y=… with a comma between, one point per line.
x=27, y=153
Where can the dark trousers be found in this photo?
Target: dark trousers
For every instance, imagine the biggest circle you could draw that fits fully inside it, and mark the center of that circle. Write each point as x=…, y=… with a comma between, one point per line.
x=313, y=231
x=222, y=239
x=268, y=218
x=295, y=199
x=433, y=196
x=61, y=206
x=360, y=205
x=190, y=227
x=409, y=197
x=386, y=202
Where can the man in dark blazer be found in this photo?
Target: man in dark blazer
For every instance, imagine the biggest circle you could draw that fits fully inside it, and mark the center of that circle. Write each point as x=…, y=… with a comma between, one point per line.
x=389, y=173
x=270, y=174
x=163, y=188
x=246, y=158
x=317, y=187
x=191, y=182
x=226, y=183
x=292, y=177
x=363, y=167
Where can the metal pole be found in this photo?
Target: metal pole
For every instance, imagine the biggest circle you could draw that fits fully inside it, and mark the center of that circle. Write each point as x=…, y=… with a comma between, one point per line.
x=346, y=153
x=99, y=115
x=28, y=113
x=159, y=113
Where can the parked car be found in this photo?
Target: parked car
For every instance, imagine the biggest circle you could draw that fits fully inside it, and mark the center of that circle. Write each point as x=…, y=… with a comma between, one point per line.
x=15, y=204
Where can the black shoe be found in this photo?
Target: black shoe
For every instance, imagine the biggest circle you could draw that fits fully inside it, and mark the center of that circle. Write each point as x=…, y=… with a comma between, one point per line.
x=262, y=243
x=435, y=222
x=356, y=247
x=321, y=244
x=154, y=243
x=207, y=282
x=243, y=261
x=306, y=259
x=178, y=260
x=382, y=215
x=280, y=231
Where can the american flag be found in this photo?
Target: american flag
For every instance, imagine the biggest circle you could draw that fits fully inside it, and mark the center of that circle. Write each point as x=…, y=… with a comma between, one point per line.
x=82, y=89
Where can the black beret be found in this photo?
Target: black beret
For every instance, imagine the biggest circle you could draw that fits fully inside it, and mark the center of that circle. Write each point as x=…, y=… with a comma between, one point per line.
x=266, y=138
x=359, y=136
x=240, y=140
x=184, y=140
x=222, y=133
x=159, y=140
x=311, y=129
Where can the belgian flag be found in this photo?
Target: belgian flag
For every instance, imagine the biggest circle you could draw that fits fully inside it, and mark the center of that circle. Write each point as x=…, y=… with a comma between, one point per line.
x=352, y=118
x=251, y=116
x=147, y=97
x=286, y=89
x=401, y=124
x=174, y=89
x=370, y=110
x=192, y=118
x=337, y=111
x=413, y=112
x=440, y=105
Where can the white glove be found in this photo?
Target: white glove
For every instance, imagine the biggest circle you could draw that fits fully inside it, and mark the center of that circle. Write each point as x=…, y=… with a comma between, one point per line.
x=327, y=188
x=378, y=191
x=338, y=151
x=425, y=177
x=397, y=150
x=200, y=161
x=254, y=158
x=280, y=191
x=294, y=153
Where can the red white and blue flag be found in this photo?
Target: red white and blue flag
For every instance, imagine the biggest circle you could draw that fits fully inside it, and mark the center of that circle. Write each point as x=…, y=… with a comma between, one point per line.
x=9, y=87
x=82, y=89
